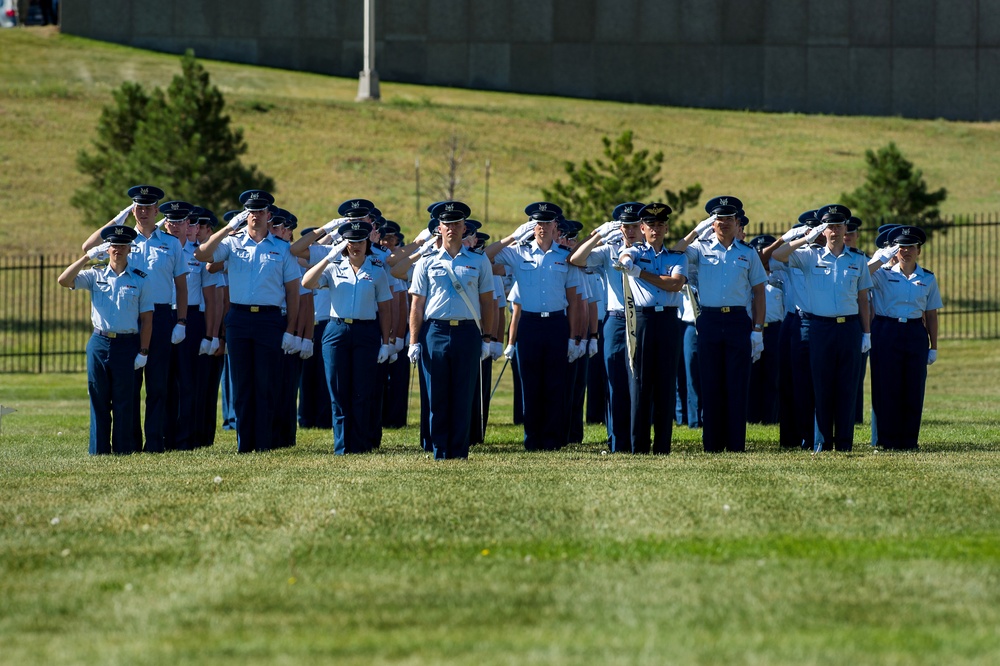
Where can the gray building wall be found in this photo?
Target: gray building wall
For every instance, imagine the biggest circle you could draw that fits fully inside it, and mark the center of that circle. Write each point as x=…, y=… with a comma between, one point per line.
x=913, y=58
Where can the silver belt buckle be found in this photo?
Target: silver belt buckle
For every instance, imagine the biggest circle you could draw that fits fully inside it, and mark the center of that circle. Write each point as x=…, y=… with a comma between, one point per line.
x=658, y=308
x=543, y=314
x=902, y=320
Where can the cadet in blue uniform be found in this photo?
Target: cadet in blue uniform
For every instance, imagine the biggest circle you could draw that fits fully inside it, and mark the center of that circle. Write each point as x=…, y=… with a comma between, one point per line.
x=600, y=251
x=904, y=336
x=730, y=279
x=121, y=311
x=314, y=394
x=837, y=281
x=263, y=278
x=453, y=295
x=545, y=332
x=656, y=276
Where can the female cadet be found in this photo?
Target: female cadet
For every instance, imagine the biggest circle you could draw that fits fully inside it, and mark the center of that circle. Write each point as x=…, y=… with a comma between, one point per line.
x=263, y=277
x=354, y=340
x=121, y=302
x=906, y=322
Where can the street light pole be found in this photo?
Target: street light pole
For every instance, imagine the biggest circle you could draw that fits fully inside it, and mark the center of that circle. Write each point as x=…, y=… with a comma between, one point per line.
x=368, y=77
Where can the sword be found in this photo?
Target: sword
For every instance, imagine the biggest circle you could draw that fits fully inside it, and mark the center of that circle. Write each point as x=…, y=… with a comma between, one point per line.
x=500, y=376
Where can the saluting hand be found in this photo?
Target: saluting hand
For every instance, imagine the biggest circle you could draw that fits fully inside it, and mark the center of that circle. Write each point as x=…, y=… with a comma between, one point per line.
x=99, y=252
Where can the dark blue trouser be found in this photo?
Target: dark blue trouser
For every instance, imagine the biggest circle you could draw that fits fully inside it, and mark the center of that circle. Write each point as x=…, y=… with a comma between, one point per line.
x=597, y=384
x=254, y=340
x=517, y=417
x=796, y=405
x=616, y=369
x=450, y=365
x=724, y=360
x=285, y=408
x=577, y=388
x=543, y=367
x=762, y=398
x=226, y=380
x=481, y=403
x=899, y=379
x=110, y=379
x=157, y=375
x=314, y=395
x=859, y=405
x=350, y=354
x=396, y=397
x=688, y=378
x=425, y=406
x=654, y=381
x=186, y=387
x=834, y=359
x=206, y=430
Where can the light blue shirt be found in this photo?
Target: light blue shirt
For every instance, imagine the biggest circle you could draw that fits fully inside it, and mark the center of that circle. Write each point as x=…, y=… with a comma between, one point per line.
x=726, y=276
x=832, y=281
x=663, y=262
x=432, y=281
x=601, y=259
x=899, y=296
x=257, y=271
x=198, y=277
x=498, y=295
x=599, y=291
x=160, y=257
x=115, y=300
x=543, y=277
x=355, y=295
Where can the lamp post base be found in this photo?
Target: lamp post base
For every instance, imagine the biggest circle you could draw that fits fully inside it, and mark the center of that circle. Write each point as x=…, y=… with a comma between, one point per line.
x=368, y=86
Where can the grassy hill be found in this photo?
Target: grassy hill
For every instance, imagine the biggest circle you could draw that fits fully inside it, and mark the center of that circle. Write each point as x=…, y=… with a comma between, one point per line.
x=306, y=131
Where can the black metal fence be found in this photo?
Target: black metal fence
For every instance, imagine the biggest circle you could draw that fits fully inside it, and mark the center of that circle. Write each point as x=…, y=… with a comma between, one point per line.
x=46, y=327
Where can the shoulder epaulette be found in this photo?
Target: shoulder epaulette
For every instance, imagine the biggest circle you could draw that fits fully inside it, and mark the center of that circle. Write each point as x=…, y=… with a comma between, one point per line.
x=565, y=247
x=138, y=272
x=675, y=251
x=855, y=250
x=525, y=243
x=927, y=271
x=743, y=243
x=376, y=262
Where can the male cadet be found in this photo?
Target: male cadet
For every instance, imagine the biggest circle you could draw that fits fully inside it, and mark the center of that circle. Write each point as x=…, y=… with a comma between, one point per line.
x=121, y=311
x=159, y=255
x=656, y=276
x=601, y=251
x=730, y=278
x=453, y=295
x=263, y=278
x=546, y=335
x=837, y=281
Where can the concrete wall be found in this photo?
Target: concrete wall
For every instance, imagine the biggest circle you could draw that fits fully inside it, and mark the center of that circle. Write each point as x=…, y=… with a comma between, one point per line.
x=913, y=58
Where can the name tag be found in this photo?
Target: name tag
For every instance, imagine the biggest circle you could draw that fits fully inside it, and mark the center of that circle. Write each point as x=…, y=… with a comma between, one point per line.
x=438, y=272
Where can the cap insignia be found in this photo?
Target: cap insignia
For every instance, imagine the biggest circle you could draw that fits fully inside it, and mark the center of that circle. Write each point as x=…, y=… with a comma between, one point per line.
x=175, y=206
x=449, y=206
x=143, y=190
x=723, y=201
x=543, y=206
x=833, y=211
x=356, y=225
x=355, y=204
x=628, y=209
x=656, y=210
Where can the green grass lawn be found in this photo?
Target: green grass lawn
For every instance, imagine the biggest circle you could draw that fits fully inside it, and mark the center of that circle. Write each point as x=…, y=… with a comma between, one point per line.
x=570, y=557
x=306, y=131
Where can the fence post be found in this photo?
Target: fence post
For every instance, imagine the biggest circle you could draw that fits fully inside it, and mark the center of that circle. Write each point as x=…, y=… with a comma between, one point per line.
x=41, y=311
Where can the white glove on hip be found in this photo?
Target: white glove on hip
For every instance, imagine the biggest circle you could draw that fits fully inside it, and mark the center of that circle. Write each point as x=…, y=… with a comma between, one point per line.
x=177, y=335
x=414, y=352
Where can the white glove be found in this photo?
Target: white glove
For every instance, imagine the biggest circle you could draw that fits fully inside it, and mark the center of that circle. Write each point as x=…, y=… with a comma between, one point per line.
x=579, y=350
x=423, y=236
x=524, y=229
x=633, y=270
x=287, y=342
x=160, y=223
x=333, y=255
x=496, y=350
x=615, y=264
x=427, y=247
x=884, y=254
x=607, y=228
x=393, y=357
x=571, y=350
x=706, y=234
x=705, y=224
x=592, y=347
x=331, y=226
x=383, y=354
x=814, y=233
x=795, y=232
x=484, y=351
x=414, y=352
x=238, y=219
x=614, y=237
x=177, y=335
x=204, y=347
x=140, y=361
x=296, y=345
x=398, y=346
x=931, y=356
x=307, y=349
x=99, y=252
x=866, y=342
x=527, y=235
x=214, y=346
x=756, y=345
x=120, y=218
x=508, y=352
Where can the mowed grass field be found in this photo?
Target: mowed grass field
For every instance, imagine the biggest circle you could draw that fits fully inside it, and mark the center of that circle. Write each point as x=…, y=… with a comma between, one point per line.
x=572, y=557
x=321, y=147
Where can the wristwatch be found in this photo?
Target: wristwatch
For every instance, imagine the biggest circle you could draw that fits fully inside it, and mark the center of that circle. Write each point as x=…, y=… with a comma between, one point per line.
x=144, y=351
x=182, y=321
x=758, y=327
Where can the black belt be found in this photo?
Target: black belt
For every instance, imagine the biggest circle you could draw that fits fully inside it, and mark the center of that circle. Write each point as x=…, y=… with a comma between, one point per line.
x=652, y=309
x=454, y=322
x=163, y=306
x=112, y=335
x=725, y=309
x=617, y=314
x=254, y=308
x=832, y=320
x=900, y=320
x=349, y=320
x=542, y=315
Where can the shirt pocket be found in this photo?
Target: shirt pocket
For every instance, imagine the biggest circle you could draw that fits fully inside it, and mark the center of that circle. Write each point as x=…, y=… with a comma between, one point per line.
x=528, y=274
x=708, y=260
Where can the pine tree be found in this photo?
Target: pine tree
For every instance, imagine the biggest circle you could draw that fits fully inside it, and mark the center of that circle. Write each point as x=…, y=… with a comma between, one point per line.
x=180, y=141
x=894, y=191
